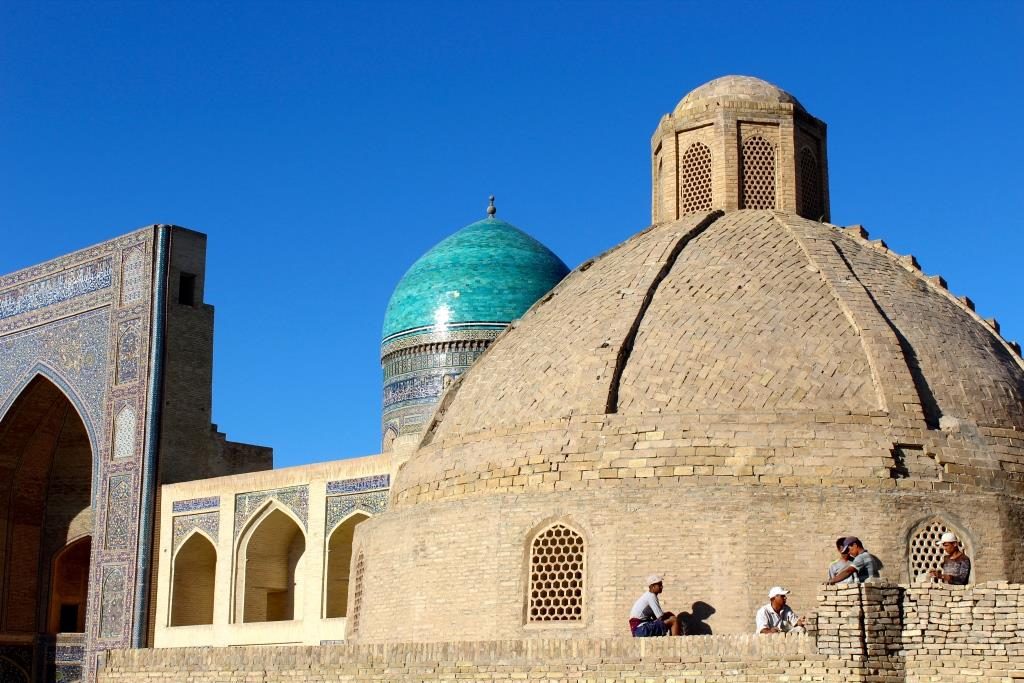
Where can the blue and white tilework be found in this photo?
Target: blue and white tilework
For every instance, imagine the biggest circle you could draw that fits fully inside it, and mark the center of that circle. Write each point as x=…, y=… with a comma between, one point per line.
x=295, y=498
x=119, y=510
x=207, y=522
x=72, y=351
x=112, y=602
x=63, y=286
x=194, y=504
x=359, y=484
x=340, y=507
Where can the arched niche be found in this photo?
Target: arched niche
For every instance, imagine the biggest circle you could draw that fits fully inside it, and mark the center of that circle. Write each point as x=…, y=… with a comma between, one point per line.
x=270, y=567
x=46, y=472
x=193, y=581
x=69, y=587
x=339, y=566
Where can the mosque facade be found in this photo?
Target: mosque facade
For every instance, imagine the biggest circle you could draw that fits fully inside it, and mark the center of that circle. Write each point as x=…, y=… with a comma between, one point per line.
x=715, y=399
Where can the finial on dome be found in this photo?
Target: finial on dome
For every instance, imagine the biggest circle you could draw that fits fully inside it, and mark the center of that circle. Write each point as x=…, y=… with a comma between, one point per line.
x=490, y=209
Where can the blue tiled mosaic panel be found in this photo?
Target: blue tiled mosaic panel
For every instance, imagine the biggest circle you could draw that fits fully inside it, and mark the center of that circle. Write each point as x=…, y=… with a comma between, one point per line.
x=112, y=602
x=295, y=498
x=208, y=522
x=340, y=507
x=75, y=349
x=67, y=285
x=128, y=343
x=119, y=509
x=68, y=673
x=372, y=483
x=193, y=504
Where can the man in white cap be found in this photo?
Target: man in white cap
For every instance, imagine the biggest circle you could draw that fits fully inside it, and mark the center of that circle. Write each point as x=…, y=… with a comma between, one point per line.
x=777, y=616
x=956, y=566
x=647, y=618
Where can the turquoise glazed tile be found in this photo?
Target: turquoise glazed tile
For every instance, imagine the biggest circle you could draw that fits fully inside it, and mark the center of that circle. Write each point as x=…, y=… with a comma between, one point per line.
x=488, y=272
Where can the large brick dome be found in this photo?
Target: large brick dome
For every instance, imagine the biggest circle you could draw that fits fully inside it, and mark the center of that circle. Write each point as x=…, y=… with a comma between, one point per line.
x=716, y=399
x=750, y=312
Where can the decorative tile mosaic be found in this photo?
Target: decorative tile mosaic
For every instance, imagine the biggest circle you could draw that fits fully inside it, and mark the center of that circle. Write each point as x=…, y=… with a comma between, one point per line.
x=134, y=275
x=57, y=288
x=295, y=498
x=124, y=433
x=340, y=507
x=73, y=350
x=67, y=673
x=390, y=347
x=372, y=483
x=128, y=343
x=193, y=504
x=69, y=653
x=208, y=522
x=402, y=364
x=112, y=606
x=119, y=527
x=422, y=388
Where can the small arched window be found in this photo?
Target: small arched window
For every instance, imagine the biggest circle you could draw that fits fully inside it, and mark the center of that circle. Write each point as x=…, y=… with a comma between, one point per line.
x=758, y=160
x=557, y=575
x=695, y=179
x=810, y=186
x=924, y=552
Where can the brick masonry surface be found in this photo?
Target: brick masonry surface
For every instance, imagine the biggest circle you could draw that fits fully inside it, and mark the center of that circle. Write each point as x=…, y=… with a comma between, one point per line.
x=875, y=632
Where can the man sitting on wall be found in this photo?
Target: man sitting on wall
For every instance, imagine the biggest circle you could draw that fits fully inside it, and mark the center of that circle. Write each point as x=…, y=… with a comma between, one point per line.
x=956, y=566
x=777, y=616
x=863, y=564
x=842, y=563
x=647, y=618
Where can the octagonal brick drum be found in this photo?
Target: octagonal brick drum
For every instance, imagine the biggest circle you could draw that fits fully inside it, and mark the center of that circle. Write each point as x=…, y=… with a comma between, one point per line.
x=716, y=399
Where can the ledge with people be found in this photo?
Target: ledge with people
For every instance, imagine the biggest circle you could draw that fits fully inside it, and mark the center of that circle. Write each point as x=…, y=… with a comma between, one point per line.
x=855, y=565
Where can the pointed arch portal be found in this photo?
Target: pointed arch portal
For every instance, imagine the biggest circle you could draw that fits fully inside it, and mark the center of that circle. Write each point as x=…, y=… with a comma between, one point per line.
x=46, y=516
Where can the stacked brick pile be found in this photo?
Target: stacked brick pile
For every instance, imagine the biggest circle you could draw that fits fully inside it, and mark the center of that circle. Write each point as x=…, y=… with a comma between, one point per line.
x=973, y=632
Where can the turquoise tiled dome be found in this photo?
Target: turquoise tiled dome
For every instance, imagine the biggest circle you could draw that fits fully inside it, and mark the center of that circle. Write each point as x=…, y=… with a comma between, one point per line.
x=483, y=276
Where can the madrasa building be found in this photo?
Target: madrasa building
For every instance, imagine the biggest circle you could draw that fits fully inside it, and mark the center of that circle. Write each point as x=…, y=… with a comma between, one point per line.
x=715, y=399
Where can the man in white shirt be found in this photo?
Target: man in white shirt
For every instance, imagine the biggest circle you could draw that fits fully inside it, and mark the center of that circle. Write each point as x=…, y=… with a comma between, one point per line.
x=777, y=616
x=647, y=618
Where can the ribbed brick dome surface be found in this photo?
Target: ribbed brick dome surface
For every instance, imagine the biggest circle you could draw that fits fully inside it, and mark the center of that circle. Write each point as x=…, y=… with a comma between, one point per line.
x=750, y=312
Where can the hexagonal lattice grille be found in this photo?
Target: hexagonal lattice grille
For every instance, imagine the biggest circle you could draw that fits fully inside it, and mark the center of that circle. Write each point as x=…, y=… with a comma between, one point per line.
x=557, y=557
x=695, y=179
x=758, y=173
x=925, y=552
x=810, y=186
x=357, y=591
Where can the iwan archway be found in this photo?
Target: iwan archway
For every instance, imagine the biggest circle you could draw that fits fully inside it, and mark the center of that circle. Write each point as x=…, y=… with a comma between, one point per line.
x=46, y=527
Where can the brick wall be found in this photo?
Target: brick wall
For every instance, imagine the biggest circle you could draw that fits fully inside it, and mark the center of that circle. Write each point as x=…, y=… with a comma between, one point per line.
x=875, y=632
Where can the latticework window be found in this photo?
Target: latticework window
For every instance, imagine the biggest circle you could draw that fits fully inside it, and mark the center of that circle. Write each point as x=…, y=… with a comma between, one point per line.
x=925, y=552
x=695, y=179
x=758, y=173
x=357, y=591
x=557, y=560
x=810, y=186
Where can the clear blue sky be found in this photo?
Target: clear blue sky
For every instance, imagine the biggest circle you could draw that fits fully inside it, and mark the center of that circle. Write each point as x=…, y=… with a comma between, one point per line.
x=324, y=146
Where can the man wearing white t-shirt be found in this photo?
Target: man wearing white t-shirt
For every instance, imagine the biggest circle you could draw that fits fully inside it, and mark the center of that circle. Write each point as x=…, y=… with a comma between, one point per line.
x=777, y=616
x=647, y=618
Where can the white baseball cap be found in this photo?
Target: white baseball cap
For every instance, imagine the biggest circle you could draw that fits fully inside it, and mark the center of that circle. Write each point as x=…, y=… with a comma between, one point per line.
x=653, y=579
x=948, y=537
x=777, y=590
